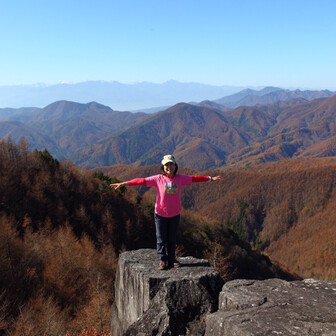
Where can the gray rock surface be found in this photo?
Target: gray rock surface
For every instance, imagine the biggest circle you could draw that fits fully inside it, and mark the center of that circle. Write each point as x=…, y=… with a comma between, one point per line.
x=172, y=302
x=275, y=307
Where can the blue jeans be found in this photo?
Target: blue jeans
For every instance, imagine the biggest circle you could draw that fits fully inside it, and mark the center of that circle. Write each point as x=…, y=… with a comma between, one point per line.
x=166, y=231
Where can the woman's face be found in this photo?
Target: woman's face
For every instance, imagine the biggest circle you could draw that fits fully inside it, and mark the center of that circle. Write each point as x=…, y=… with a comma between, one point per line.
x=169, y=169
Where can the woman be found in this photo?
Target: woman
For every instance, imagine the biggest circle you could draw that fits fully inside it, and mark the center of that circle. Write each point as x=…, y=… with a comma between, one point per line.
x=167, y=206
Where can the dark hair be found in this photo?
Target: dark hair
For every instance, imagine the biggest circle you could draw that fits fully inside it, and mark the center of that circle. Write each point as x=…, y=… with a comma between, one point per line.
x=175, y=171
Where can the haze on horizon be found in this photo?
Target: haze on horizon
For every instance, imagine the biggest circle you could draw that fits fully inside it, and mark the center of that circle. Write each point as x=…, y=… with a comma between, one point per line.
x=288, y=44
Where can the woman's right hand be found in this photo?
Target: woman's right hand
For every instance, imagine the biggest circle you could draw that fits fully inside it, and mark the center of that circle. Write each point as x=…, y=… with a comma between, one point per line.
x=117, y=185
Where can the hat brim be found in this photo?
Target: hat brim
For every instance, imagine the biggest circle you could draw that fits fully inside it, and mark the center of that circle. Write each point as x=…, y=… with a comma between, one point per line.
x=167, y=161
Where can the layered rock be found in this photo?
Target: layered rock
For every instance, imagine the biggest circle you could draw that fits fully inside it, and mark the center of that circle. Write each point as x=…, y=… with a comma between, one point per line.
x=191, y=300
x=275, y=307
x=172, y=302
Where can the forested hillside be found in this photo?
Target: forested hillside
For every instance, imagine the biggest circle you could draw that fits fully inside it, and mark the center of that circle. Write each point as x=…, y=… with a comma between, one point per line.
x=64, y=127
x=208, y=136
x=201, y=136
x=286, y=209
x=61, y=230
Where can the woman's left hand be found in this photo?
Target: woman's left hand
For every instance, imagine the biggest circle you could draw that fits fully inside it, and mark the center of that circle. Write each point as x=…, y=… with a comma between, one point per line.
x=216, y=178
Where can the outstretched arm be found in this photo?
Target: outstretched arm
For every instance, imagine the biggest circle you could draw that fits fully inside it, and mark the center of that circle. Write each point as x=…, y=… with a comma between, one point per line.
x=200, y=178
x=118, y=185
x=134, y=182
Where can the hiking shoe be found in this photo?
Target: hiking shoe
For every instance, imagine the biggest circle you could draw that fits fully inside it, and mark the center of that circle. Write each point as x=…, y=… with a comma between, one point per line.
x=174, y=264
x=162, y=266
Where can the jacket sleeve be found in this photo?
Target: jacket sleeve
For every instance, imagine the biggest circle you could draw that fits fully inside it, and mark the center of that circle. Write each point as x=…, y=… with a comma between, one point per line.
x=199, y=178
x=136, y=182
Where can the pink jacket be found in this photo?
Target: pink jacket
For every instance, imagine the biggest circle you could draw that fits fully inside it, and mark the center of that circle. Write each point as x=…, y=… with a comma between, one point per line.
x=168, y=191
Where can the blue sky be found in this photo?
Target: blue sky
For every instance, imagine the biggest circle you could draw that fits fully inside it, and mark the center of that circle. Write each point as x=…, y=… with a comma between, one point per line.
x=241, y=43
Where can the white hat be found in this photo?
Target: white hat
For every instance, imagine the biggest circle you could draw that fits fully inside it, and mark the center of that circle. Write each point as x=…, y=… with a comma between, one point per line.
x=168, y=158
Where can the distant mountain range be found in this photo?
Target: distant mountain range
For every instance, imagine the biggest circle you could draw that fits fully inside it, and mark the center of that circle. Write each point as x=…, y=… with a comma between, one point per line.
x=249, y=97
x=119, y=96
x=65, y=128
x=201, y=135
x=269, y=95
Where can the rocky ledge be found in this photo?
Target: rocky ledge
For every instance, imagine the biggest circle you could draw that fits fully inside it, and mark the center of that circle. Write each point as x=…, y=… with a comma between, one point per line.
x=171, y=302
x=275, y=307
x=191, y=300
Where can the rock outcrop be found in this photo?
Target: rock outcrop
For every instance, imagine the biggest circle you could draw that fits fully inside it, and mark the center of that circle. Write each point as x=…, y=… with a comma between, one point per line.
x=275, y=307
x=172, y=302
x=191, y=300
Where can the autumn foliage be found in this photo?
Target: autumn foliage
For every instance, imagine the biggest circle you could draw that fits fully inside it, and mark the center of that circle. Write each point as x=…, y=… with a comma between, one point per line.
x=61, y=232
x=89, y=332
x=289, y=211
x=62, y=229
x=285, y=209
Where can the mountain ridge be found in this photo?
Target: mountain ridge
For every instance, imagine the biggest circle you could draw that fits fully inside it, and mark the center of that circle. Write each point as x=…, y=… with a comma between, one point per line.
x=69, y=126
x=202, y=135
x=269, y=95
x=181, y=129
x=241, y=136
